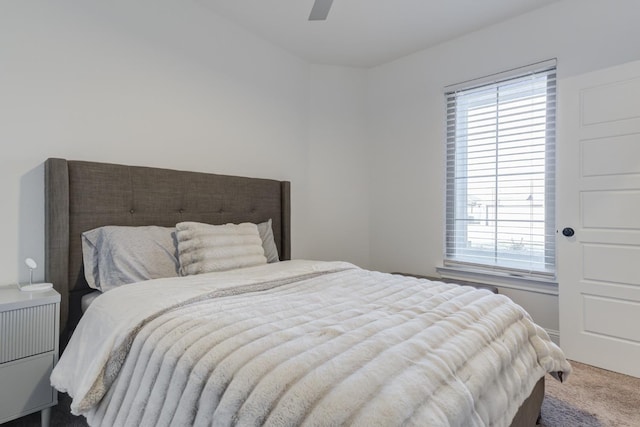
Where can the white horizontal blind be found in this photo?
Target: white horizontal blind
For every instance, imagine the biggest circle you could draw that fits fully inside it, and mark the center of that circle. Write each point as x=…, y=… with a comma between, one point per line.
x=501, y=175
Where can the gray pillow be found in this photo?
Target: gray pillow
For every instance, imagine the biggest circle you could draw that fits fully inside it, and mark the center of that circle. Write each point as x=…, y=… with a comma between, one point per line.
x=268, y=243
x=205, y=248
x=118, y=255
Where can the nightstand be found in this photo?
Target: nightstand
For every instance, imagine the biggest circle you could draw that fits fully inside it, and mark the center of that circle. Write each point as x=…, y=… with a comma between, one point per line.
x=29, y=329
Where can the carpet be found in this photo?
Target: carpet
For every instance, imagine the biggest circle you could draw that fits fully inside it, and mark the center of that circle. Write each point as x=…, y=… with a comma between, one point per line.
x=591, y=397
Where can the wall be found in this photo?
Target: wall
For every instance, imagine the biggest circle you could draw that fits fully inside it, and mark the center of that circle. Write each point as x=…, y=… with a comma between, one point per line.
x=338, y=184
x=161, y=83
x=406, y=121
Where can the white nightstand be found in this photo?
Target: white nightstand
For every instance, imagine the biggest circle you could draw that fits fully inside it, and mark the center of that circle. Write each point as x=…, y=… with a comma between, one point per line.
x=29, y=329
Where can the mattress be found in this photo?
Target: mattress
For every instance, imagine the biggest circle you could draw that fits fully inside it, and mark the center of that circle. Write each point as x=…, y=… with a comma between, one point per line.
x=303, y=343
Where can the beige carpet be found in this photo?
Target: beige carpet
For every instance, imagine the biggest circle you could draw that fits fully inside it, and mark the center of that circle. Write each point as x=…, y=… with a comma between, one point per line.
x=592, y=397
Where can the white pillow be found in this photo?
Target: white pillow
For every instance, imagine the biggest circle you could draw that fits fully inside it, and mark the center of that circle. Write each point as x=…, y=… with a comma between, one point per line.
x=117, y=255
x=205, y=248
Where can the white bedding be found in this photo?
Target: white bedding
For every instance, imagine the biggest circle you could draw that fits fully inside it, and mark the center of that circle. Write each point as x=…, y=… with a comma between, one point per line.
x=342, y=345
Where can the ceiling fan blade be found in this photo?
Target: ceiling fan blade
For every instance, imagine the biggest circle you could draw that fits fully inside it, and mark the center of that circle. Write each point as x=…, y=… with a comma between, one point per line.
x=320, y=10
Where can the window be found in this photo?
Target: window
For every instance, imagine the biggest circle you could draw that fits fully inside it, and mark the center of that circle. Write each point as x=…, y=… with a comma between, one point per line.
x=500, y=212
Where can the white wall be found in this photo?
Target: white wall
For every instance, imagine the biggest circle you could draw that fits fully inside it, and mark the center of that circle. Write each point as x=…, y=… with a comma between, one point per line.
x=338, y=166
x=161, y=83
x=406, y=120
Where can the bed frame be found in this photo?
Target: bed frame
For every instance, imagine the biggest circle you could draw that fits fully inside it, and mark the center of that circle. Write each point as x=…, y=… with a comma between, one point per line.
x=80, y=196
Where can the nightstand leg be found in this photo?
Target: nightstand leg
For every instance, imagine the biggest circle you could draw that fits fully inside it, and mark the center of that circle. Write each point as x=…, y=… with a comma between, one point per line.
x=45, y=417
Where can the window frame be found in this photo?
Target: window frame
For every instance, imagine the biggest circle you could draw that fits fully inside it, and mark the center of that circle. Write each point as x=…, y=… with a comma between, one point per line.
x=465, y=269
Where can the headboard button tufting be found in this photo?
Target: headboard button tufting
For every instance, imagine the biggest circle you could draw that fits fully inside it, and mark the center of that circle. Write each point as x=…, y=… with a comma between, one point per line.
x=181, y=210
x=131, y=211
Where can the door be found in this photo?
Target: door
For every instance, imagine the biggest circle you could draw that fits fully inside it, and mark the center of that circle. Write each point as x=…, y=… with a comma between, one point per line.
x=598, y=187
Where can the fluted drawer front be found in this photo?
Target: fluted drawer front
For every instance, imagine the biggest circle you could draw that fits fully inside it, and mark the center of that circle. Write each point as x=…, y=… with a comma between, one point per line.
x=26, y=332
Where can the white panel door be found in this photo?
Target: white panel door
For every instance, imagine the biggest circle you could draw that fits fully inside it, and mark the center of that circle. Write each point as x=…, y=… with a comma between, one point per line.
x=598, y=187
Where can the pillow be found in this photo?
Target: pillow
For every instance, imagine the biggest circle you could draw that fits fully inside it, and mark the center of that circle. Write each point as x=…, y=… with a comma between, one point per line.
x=117, y=255
x=268, y=243
x=204, y=248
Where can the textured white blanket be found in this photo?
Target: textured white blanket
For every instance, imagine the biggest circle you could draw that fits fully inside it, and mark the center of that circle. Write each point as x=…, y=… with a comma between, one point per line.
x=303, y=343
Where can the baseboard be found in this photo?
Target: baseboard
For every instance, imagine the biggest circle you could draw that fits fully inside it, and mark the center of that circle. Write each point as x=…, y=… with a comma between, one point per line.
x=554, y=335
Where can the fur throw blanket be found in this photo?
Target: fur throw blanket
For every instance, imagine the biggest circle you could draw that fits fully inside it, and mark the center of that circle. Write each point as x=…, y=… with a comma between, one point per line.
x=303, y=343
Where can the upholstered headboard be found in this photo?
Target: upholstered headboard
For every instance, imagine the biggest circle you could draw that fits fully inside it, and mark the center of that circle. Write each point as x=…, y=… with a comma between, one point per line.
x=80, y=196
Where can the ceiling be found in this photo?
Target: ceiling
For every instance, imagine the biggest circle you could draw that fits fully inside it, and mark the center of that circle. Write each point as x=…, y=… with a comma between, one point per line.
x=365, y=33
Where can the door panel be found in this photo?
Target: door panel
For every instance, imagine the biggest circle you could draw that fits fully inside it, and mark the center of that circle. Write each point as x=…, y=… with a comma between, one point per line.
x=611, y=209
x=610, y=263
x=598, y=174
x=623, y=152
x=608, y=317
x=609, y=102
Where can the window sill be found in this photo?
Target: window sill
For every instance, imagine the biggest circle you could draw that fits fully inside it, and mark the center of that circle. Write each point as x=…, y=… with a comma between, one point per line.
x=505, y=281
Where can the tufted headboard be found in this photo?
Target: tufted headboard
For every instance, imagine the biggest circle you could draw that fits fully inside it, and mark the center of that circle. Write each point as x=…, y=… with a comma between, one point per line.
x=80, y=196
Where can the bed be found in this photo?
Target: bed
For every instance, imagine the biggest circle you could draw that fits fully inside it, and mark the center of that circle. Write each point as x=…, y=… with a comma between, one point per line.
x=139, y=379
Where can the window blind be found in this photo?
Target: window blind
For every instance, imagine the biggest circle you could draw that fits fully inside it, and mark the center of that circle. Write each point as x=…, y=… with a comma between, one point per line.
x=500, y=201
